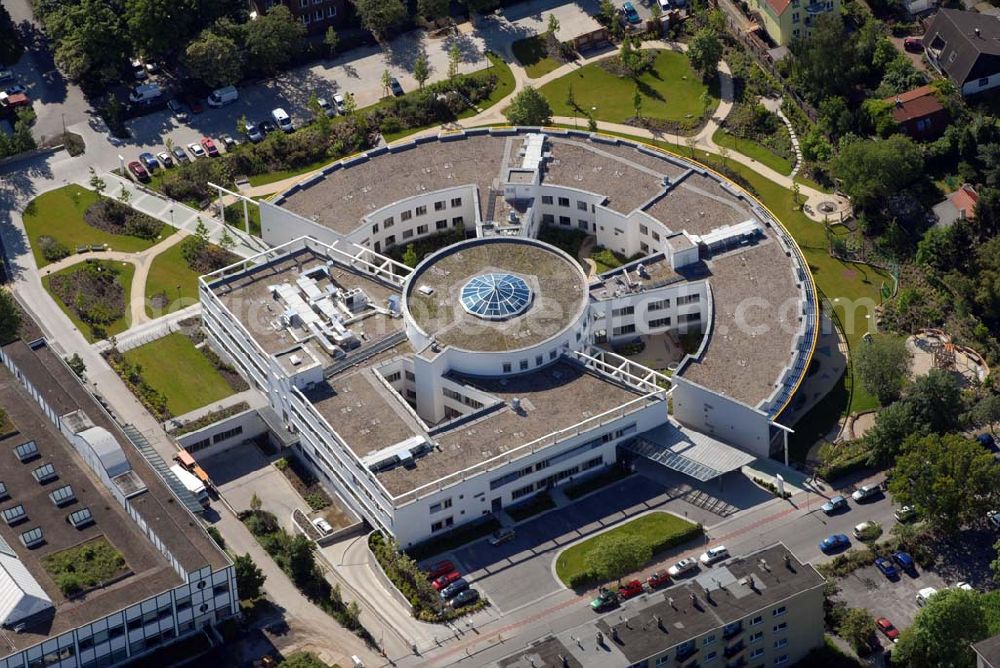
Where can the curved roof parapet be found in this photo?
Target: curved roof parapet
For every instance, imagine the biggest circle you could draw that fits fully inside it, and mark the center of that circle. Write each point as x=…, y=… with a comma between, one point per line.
x=107, y=450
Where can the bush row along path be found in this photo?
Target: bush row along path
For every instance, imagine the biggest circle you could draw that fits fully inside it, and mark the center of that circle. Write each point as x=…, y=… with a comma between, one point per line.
x=142, y=260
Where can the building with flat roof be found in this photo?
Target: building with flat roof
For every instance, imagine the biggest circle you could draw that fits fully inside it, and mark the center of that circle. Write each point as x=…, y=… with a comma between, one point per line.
x=71, y=478
x=987, y=652
x=761, y=609
x=436, y=395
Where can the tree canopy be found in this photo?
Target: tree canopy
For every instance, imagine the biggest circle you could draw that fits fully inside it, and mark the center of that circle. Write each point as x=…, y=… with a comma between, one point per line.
x=705, y=52
x=883, y=365
x=249, y=578
x=214, y=59
x=873, y=170
x=943, y=631
x=10, y=317
x=936, y=400
x=272, y=40
x=950, y=480
x=380, y=17
x=529, y=107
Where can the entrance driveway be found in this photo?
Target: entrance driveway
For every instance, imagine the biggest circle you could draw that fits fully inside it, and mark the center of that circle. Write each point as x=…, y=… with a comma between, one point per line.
x=520, y=571
x=243, y=471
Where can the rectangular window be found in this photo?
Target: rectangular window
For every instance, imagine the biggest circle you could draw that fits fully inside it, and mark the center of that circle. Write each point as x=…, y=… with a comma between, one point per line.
x=660, y=322
x=658, y=305
x=524, y=365
x=440, y=505
x=778, y=644
x=756, y=620
x=539, y=359
x=303, y=3
x=458, y=220
x=80, y=518
x=643, y=230
x=421, y=229
x=331, y=11
x=407, y=234
x=390, y=240
x=548, y=219
x=420, y=210
x=564, y=201
x=506, y=367
x=781, y=660
x=583, y=225
x=777, y=612
x=522, y=491
x=441, y=225
x=708, y=640
x=780, y=627
x=405, y=215
x=624, y=310
x=546, y=199
x=442, y=524
x=45, y=473
x=62, y=496
x=552, y=354
x=375, y=228
x=688, y=299
x=565, y=220
x=756, y=637
x=14, y=514
x=306, y=18
x=757, y=653
x=229, y=433
x=26, y=451
x=689, y=317
x=626, y=329
x=440, y=206
x=318, y=15
x=582, y=206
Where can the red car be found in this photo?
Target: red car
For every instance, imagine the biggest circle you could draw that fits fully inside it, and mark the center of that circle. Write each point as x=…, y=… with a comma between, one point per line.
x=630, y=589
x=440, y=568
x=887, y=629
x=138, y=171
x=194, y=104
x=913, y=44
x=658, y=579
x=210, y=147
x=445, y=580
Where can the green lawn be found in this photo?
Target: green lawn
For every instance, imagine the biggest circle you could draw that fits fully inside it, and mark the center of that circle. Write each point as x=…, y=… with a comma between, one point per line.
x=654, y=528
x=176, y=368
x=116, y=327
x=670, y=91
x=169, y=272
x=59, y=214
x=752, y=149
x=533, y=54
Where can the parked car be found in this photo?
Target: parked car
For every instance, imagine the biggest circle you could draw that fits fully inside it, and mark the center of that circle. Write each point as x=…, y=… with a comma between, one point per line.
x=282, y=119
x=193, y=103
x=322, y=526
x=987, y=441
x=714, y=554
x=865, y=528
x=501, y=536
x=632, y=16
x=664, y=5
x=834, y=505
x=267, y=127
x=165, y=159
x=444, y=580
x=395, y=87
x=630, y=589
x=253, y=132
x=994, y=518
x=340, y=102
x=210, y=147
x=683, y=567
x=449, y=592
x=866, y=492
x=327, y=108
x=905, y=562
x=138, y=171
x=440, y=568
x=195, y=149
x=965, y=586
x=16, y=89
x=149, y=161
x=658, y=579
x=6, y=75
x=144, y=93
x=605, y=600
x=223, y=96
x=913, y=44
x=16, y=100
x=834, y=543
x=228, y=141
x=180, y=156
x=905, y=514
x=887, y=629
x=176, y=108
x=138, y=69
x=886, y=568
x=924, y=595
x=464, y=597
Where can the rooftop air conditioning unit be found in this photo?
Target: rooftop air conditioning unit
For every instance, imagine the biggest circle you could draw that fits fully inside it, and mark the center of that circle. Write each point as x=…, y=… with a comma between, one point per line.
x=426, y=290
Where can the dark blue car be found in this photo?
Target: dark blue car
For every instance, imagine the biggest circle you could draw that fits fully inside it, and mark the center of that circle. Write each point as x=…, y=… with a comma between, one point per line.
x=886, y=568
x=632, y=16
x=834, y=543
x=904, y=561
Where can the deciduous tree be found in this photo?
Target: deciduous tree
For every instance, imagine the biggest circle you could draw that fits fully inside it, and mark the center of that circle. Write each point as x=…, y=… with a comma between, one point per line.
x=421, y=70
x=529, y=107
x=857, y=627
x=883, y=365
x=249, y=577
x=870, y=171
x=936, y=400
x=432, y=9
x=943, y=631
x=214, y=59
x=273, y=39
x=705, y=52
x=10, y=317
x=380, y=17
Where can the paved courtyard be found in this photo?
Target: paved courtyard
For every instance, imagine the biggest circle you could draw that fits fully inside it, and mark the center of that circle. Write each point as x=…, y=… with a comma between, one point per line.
x=243, y=471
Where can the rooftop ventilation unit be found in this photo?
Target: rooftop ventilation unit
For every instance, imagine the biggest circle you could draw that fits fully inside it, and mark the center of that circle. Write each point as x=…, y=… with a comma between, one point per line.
x=404, y=452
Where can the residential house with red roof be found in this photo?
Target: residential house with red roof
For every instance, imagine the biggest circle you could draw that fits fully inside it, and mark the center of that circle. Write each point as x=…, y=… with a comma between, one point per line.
x=919, y=113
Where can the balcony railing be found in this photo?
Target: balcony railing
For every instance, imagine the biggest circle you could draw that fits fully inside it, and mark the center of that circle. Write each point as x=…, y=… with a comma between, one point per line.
x=734, y=649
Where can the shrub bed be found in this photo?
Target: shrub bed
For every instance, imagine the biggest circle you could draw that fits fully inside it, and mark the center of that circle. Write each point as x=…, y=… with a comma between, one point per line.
x=52, y=249
x=85, y=566
x=204, y=257
x=154, y=400
x=114, y=217
x=92, y=291
x=412, y=582
x=567, y=240
x=294, y=555
x=839, y=460
x=771, y=487
x=304, y=482
x=227, y=371
x=210, y=418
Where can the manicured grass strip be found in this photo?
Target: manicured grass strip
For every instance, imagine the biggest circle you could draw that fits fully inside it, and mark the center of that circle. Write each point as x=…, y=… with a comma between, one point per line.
x=85, y=566
x=670, y=91
x=752, y=149
x=533, y=54
x=170, y=274
x=176, y=368
x=116, y=327
x=658, y=529
x=59, y=214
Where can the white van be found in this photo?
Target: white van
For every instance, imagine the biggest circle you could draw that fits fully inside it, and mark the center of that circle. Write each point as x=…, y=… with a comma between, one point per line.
x=144, y=93
x=282, y=119
x=924, y=594
x=223, y=96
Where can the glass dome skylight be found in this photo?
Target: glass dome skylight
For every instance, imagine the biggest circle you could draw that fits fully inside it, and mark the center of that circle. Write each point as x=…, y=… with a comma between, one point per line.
x=496, y=296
